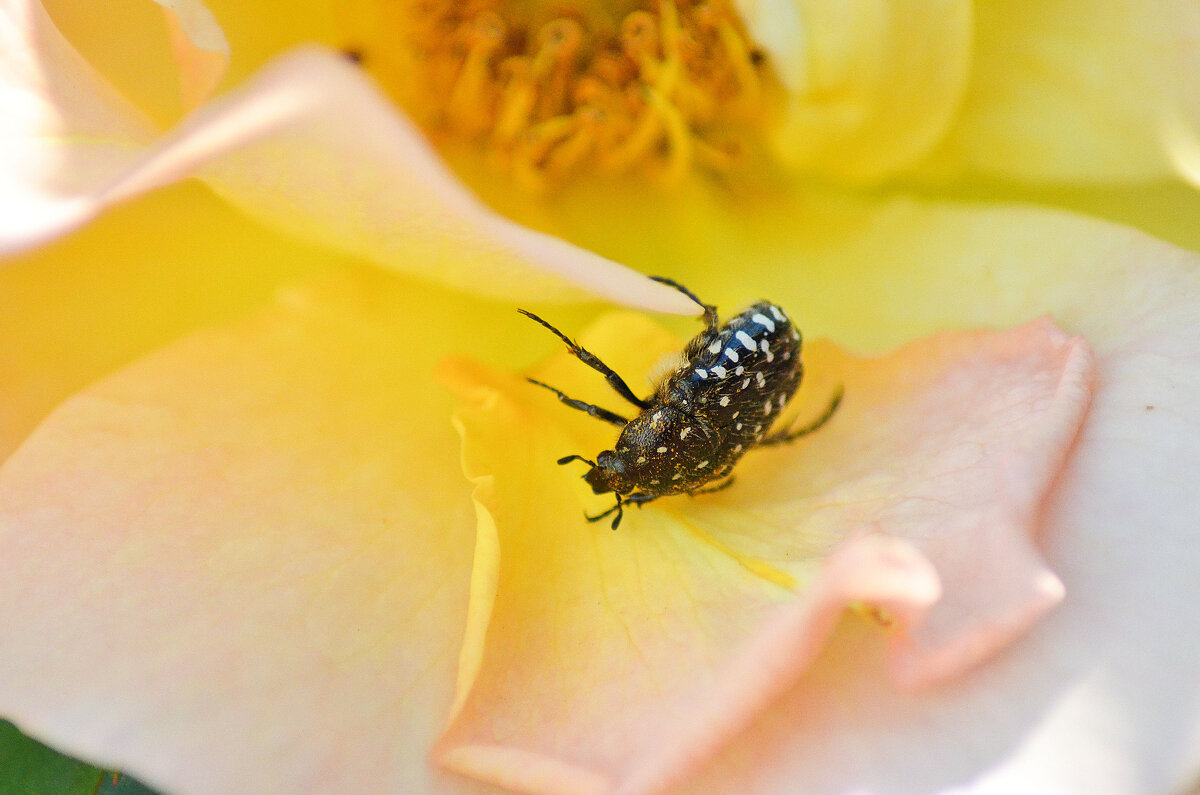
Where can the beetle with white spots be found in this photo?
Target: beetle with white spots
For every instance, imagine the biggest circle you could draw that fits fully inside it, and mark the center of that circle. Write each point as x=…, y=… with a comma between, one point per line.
x=688, y=436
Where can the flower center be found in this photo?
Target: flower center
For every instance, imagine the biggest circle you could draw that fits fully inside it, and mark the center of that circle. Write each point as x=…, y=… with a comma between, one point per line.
x=669, y=86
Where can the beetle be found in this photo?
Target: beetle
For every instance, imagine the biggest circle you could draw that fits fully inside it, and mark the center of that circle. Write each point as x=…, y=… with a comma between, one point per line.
x=734, y=381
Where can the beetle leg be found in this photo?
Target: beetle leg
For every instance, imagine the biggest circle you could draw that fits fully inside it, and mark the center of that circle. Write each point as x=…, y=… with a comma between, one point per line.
x=638, y=499
x=616, y=520
x=724, y=484
x=710, y=311
x=595, y=411
x=786, y=436
x=592, y=361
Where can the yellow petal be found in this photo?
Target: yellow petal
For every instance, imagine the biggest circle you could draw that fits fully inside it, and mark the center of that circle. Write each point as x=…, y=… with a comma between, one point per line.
x=623, y=658
x=200, y=48
x=105, y=35
x=249, y=553
x=1089, y=701
x=1076, y=91
x=870, y=87
x=77, y=309
x=66, y=129
x=870, y=273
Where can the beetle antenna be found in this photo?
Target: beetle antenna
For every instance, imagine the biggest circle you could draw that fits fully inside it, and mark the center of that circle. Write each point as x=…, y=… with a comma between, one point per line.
x=569, y=458
x=710, y=311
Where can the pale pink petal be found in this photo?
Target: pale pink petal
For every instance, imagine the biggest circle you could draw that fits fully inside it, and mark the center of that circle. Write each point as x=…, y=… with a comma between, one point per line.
x=1101, y=695
x=609, y=662
x=309, y=145
x=200, y=48
x=241, y=564
x=65, y=129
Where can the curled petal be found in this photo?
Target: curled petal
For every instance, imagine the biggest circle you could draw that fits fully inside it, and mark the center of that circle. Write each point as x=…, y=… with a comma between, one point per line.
x=621, y=661
x=309, y=145
x=870, y=87
x=66, y=130
x=200, y=49
x=1098, y=696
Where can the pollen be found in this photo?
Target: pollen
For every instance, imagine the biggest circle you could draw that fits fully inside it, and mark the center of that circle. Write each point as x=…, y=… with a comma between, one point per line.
x=671, y=86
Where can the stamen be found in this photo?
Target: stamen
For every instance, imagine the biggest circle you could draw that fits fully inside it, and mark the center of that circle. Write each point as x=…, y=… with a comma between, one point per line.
x=467, y=106
x=673, y=86
x=520, y=94
x=679, y=142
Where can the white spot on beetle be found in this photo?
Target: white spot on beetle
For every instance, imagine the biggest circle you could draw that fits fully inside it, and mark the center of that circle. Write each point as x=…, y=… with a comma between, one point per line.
x=702, y=372
x=765, y=321
x=760, y=378
x=702, y=464
x=654, y=482
x=732, y=354
x=677, y=476
x=782, y=400
x=739, y=426
x=746, y=340
x=641, y=459
x=714, y=346
x=719, y=371
x=739, y=370
x=795, y=335
x=684, y=433
x=725, y=400
x=746, y=383
x=662, y=449
x=737, y=448
x=778, y=314
x=758, y=429
x=767, y=406
x=787, y=355
x=735, y=414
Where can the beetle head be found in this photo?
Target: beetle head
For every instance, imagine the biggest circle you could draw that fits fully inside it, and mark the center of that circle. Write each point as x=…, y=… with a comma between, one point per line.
x=608, y=474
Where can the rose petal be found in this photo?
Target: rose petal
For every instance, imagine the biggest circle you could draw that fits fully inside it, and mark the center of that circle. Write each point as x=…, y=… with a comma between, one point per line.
x=870, y=87
x=309, y=146
x=961, y=434
x=234, y=560
x=874, y=277
x=200, y=48
x=1053, y=99
x=1101, y=696
x=343, y=168
x=949, y=443
x=105, y=34
x=66, y=130
x=137, y=279
x=1135, y=300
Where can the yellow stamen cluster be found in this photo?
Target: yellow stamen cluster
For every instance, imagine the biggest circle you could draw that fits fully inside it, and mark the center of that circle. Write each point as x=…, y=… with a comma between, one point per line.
x=668, y=87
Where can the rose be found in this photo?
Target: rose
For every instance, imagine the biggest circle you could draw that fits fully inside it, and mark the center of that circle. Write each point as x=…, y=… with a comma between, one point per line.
x=314, y=477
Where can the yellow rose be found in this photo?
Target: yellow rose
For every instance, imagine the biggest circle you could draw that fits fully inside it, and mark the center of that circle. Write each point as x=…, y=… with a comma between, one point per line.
x=246, y=558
